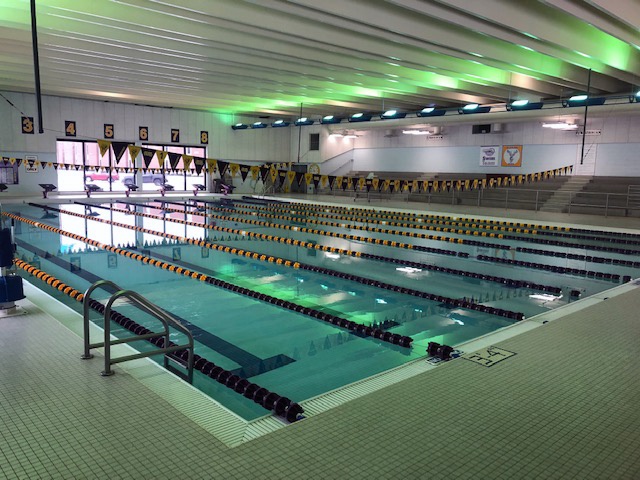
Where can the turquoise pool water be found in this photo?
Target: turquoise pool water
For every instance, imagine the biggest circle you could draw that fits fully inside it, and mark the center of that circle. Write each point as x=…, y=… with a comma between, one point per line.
x=291, y=353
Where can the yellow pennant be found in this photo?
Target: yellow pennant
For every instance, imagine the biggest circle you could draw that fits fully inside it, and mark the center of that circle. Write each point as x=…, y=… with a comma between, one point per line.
x=375, y=183
x=324, y=181
x=274, y=173
x=134, y=151
x=104, y=146
x=255, y=172
x=291, y=175
x=161, y=155
x=361, y=181
x=234, y=168
x=187, y=159
x=211, y=165
x=308, y=178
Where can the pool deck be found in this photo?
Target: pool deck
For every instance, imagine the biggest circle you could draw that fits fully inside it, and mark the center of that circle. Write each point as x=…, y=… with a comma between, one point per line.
x=564, y=406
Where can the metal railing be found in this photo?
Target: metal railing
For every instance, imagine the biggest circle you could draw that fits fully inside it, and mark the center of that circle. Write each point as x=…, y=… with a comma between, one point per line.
x=143, y=304
x=593, y=203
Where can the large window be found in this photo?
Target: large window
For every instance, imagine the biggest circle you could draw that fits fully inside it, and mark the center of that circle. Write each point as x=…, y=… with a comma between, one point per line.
x=183, y=179
x=83, y=164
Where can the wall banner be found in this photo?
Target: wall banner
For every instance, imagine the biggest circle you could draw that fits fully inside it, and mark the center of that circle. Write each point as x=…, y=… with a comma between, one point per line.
x=512, y=156
x=489, y=156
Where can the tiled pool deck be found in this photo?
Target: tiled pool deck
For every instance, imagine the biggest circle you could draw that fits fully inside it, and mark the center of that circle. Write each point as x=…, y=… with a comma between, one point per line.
x=564, y=406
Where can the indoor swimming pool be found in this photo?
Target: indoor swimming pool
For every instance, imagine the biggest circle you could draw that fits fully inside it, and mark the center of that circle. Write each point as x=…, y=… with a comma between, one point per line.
x=304, y=299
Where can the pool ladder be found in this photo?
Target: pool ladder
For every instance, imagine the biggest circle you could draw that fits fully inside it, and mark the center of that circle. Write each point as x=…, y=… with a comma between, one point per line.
x=145, y=305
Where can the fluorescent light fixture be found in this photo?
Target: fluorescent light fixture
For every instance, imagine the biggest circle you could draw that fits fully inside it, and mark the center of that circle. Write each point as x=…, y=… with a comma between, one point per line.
x=431, y=112
x=240, y=126
x=474, y=108
x=392, y=114
x=351, y=135
x=583, y=100
x=416, y=132
x=336, y=135
x=524, y=105
x=408, y=269
x=258, y=125
x=360, y=117
x=303, y=121
x=560, y=125
x=330, y=119
x=280, y=123
x=333, y=256
x=381, y=301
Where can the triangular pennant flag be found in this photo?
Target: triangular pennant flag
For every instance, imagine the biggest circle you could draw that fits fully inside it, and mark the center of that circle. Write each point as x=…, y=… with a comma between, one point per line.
x=274, y=173
x=415, y=186
x=345, y=182
x=186, y=160
x=436, y=186
x=392, y=185
x=161, y=155
x=386, y=185
x=291, y=176
x=212, y=164
x=375, y=183
x=299, y=178
x=316, y=180
x=174, y=159
x=264, y=171
x=103, y=145
x=147, y=156
x=368, y=184
x=308, y=178
x=134, y=151
x=118, y=149
x=361, y=182
x=338, y=182
x=255, y=172
x=244, y=172
x=234, y=168
x=222, y=167
x=199, y=164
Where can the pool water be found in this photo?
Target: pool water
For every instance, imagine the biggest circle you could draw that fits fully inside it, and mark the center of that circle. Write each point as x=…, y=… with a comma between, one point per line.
x=292, y=353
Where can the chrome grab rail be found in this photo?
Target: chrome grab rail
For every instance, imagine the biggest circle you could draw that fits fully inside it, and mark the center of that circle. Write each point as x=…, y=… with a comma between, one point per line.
x=143, y=304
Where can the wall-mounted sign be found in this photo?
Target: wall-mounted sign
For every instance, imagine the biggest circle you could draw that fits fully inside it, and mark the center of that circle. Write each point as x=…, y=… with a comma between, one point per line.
x=489, y=156
x=175, y=135
x=512, y=156
x=70, y=128
x=204, y=137
x=27, y=125
x=143, y=133
x=109, y=131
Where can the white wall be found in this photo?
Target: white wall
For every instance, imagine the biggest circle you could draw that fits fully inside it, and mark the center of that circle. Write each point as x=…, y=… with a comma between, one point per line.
x=264, y=145
x=618, y=148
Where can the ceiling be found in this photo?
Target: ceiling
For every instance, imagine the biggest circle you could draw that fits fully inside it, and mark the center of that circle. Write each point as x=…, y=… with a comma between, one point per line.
x=274, y=57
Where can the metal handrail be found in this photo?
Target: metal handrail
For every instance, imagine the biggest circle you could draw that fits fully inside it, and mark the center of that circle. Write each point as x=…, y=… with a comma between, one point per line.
x=143, y=304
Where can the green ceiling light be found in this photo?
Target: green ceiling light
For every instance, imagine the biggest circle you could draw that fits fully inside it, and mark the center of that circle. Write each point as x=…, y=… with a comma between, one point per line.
x=473, y=108
x=524, y=105
x=392, y=114
x=583, y=100
x=240, y=126
x=280, y=123
x=431, y=112
x=330, y=119
x=359, y=117
x=303, y=121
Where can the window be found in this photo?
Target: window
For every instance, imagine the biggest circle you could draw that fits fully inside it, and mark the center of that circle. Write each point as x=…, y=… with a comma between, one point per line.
x=314, y=141
x=9, y=173
x=183, y=179
x=83, y=164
